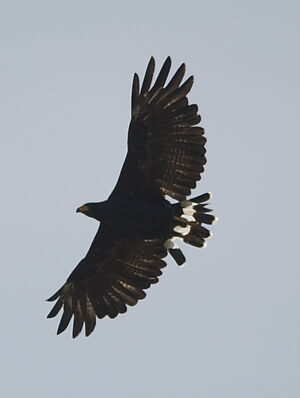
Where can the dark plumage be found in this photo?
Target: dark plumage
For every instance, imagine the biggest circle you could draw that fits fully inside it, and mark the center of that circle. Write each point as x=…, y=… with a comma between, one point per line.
x=165, y=157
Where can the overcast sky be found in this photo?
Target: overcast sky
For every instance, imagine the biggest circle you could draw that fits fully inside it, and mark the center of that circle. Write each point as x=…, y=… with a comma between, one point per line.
x=227, y=324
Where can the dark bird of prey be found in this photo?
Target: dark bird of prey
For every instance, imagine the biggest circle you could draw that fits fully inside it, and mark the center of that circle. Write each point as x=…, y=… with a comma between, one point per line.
x=138, y=225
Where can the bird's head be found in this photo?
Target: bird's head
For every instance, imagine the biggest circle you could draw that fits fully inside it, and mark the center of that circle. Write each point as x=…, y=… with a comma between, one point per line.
x=86, y=209
x=94, y=210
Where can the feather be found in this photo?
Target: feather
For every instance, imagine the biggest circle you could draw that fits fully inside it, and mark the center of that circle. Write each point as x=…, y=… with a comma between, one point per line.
x=163, y=74
x=65, y=319
x=78, y=321
x=112, y=311
x=177, y=255
x=90, y=318
x=124, y=294
x=194, y=240
x=205, y=218
x=135, y=91
x=148, y=76
x=176, y=79
x=121, y=307
x=180, y=92
x=55, y=295
x=55, y=310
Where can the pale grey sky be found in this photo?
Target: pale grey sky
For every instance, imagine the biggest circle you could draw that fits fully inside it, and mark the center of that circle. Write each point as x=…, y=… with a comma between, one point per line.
x=227, y=324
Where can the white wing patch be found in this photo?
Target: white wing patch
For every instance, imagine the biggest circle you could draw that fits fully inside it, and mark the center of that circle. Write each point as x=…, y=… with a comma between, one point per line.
x=182, y=230
x=188, y=218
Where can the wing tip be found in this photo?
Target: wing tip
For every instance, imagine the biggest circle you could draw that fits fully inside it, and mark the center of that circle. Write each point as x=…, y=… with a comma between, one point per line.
x=55, y=295
x=151, y=63
x=168, y=61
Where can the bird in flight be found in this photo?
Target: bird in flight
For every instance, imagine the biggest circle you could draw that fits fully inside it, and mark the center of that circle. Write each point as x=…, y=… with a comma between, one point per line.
x=138, y=225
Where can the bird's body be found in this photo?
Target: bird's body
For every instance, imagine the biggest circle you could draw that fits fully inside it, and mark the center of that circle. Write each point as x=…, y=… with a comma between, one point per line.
x=137, y=223
x=145, y=216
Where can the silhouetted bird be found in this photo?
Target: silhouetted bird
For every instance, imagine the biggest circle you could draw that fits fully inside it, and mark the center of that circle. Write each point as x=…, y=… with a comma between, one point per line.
x=137, y=223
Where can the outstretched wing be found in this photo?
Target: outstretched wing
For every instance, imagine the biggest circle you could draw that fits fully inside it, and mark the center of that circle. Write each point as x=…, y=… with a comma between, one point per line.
x=114, y=274
x=165, y=148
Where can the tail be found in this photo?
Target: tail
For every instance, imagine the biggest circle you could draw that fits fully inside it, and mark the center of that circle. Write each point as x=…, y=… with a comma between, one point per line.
x=189, y=217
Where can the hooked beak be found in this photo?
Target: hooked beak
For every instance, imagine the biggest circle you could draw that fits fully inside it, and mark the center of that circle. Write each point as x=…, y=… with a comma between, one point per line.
x=82, y=209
